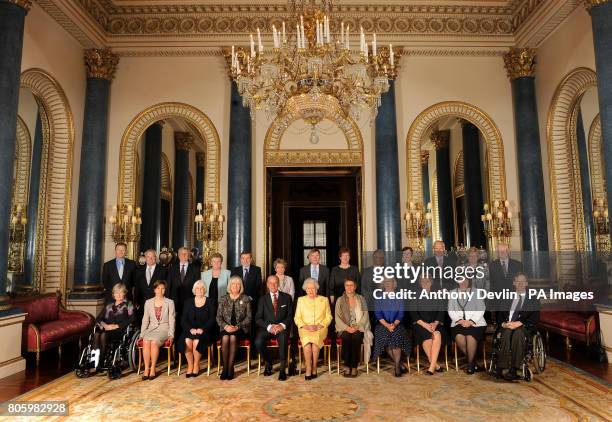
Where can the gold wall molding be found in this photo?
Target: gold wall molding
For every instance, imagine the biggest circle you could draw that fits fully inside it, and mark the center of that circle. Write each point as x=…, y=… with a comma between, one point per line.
x=101, y=63
x=166, y=180
x=458, y=175
x=563, y=161
x=131, y=137
x=23, y=157
x=313, y=158
x=26, y=4
x=55, y=194
x=596, y=163
x=473, y=114
x=520, y=62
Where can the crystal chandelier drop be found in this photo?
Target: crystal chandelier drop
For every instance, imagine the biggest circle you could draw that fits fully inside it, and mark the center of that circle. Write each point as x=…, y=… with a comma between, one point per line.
x=308, y=64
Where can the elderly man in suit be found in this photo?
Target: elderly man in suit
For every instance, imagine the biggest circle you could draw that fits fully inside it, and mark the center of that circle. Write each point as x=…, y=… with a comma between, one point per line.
x=502, y=272
x=118, y=270
x=441, y=260
x=516, y=323
x=273, y=318
x=317, y=271
x=146, y=278
x=181, y=278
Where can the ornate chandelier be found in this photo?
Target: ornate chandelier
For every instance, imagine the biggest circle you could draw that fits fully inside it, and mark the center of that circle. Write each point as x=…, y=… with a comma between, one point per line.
x=313, y=66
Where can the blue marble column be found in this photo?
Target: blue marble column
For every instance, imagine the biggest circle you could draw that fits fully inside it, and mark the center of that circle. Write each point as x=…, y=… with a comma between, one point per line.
x=585, y=184
x=473, y=183
x=426, y=194
x=12, y=19
x=441, y=139
x=601, y=18
x=239, y=181
x=150, y=230
x=520, y=65
x=200, y=188
x=89, y=252
x=32, y=225
x=181, y=213
x=388, y=225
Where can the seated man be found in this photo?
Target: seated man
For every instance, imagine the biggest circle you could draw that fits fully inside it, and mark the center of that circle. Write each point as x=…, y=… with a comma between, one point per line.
x=274, y=316
x=516, y=324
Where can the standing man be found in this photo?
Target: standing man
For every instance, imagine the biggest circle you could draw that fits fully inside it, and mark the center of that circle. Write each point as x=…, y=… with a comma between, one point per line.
x=437, y=265
x=502, y=272
x=181, y=278
x=317, y=271
x=118, y=270
x=274, y=316
x=145, y=278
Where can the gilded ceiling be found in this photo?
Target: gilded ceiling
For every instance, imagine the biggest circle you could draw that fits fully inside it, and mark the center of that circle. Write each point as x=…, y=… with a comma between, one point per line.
x=202, y=27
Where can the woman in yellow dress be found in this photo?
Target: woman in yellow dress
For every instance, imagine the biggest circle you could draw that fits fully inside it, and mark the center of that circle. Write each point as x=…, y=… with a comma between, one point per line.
x=312, y=317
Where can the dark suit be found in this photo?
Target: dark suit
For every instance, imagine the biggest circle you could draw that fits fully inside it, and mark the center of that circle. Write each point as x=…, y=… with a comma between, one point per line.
x=143, y=291
x=440, y=283
x=265, y=316
x=501, y=281
x=323, y=280
x=512, y=344
x=253, y=285
x=179, y=289
x=110, y=277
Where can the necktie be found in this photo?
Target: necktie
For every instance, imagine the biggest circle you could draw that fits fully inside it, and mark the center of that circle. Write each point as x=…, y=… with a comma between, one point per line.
x=315, y=273
x=182, y=272
x=149, y=275
x=275, y=303
x=246, y=273
x=120, y=268
x=505, y=268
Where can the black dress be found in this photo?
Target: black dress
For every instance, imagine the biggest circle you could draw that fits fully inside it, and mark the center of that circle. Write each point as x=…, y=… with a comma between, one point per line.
x=213, y=289
x=337, y=277
x=198, y=317
x=428, y=310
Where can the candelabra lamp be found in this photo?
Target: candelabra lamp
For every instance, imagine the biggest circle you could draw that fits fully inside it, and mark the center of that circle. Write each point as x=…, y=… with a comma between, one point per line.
x=418, y=223
x=125, y=222
x=497, y=221
x=209, y=229
x=17, y=239
x=602, y=224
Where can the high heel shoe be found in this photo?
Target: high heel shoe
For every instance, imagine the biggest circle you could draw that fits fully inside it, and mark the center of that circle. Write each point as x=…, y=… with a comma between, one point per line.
x=145, y=377
x=307, y=377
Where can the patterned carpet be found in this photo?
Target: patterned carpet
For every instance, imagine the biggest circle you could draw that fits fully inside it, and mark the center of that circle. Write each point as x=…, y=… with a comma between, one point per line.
x=559, y=394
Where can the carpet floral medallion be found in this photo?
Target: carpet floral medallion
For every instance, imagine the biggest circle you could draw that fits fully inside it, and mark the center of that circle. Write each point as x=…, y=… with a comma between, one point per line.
x=558, y=394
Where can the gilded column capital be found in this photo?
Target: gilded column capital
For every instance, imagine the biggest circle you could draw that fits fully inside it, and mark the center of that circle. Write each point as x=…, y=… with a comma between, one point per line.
x=183, y=141
x=440, y=138
x=101, y=63
x=26, y=4
x=520, y=62
x=589, y=4
x=424, y=157
x=200, y=159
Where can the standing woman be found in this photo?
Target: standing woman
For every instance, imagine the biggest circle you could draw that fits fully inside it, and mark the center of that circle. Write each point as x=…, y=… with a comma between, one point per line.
x=216, y=278
x=312, y=317
x=234, y=320
x=353, y=327
x=428, y=325
x=197, y=322
x=157, y=327
x=468, y=324
x=340, y=273
x=286, y=284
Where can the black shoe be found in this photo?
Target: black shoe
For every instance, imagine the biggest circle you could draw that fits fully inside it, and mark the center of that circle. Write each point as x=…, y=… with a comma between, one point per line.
x=470, y=370
x=145, y=377
x=440, y=369
x=189, y=375
x=313, y=376
x=223, y=376
x=195, y=374
x=428, y=372
x=403, y=369
x=398, y=373
x=282, y=376
x=307, y=377
x=477, y=368
x=292, y=371
x=230, y=374
x=268, y=371
x=511, y=375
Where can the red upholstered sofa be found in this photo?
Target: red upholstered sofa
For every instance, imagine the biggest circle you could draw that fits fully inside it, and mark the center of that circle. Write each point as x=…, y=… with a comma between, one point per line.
x=48, y=324
x=581, y=326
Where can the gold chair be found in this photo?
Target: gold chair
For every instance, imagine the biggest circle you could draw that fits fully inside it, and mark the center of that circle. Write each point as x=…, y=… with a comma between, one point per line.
x=180, y=356
x=169, y=346
x=339, y=350
x=326, y=355
x=418, y=358
x=484, y=354
x=245, y=344
x=273, y=343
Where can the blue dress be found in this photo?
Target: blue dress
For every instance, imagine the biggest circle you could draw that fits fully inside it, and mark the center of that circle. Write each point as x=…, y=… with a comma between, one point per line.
x=390, y=310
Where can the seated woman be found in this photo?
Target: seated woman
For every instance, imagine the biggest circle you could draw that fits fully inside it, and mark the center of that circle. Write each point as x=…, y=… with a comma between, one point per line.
x=427, y=318
x=390, y=334
x=468, y=324
x=197, y=322
x=114, y=320
x=157, y=327
x=312, y=317
x=353, y=327
x=234, y=320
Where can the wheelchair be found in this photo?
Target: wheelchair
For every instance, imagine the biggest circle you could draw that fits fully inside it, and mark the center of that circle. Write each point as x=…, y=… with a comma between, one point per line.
x=534, y=356
x=120, y=355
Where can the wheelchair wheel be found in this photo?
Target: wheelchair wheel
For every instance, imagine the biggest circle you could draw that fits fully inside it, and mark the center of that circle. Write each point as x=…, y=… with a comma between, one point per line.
x=132, y=354
x=527, y=373
x=539, y=354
